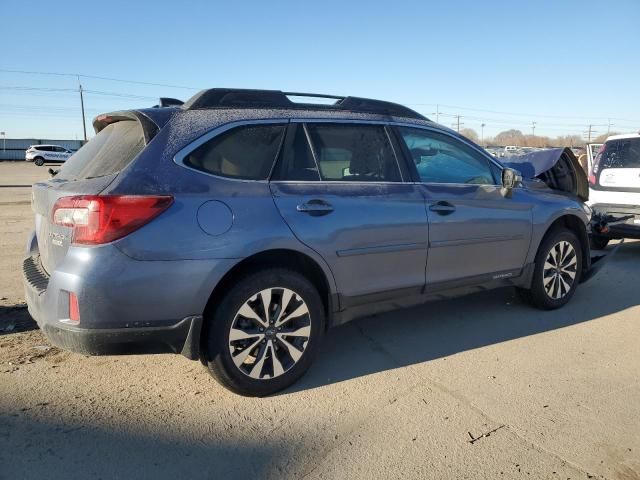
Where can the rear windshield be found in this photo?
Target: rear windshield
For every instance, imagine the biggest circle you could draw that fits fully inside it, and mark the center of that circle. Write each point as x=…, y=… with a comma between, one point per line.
x=108, y=152
x=623, y=153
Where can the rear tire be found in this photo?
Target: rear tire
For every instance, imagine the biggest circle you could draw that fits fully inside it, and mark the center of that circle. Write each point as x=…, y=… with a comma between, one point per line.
x=248, y=350
x=557, y=271
x=598, y=242
x=39, y=161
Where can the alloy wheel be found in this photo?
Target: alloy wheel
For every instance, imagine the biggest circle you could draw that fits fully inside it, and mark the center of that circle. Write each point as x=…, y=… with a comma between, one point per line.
x=560, y=269
x=269, y=333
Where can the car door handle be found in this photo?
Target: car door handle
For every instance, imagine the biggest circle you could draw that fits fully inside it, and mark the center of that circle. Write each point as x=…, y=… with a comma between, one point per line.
x=442, y=208
x=315, y=207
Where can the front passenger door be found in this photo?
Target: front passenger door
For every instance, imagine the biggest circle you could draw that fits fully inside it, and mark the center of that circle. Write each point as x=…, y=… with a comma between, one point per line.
x=475, y=232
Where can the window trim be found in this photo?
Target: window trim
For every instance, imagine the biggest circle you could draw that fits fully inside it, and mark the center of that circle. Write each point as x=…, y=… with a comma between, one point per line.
x=179, y=157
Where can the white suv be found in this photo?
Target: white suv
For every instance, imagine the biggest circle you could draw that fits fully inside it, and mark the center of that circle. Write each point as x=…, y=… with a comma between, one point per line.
x=614, y=186
x=47, y=153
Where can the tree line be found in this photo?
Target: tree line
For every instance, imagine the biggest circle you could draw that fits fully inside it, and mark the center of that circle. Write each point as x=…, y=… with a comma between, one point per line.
x=517, y=138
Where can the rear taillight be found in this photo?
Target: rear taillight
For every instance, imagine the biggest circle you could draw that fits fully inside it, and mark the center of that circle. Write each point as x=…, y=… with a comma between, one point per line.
x=97, y=219
x=595, y=166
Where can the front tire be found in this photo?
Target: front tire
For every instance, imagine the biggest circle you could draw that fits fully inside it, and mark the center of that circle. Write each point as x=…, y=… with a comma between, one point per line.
x=557, y=271
x=39, y=161
x=265, y=332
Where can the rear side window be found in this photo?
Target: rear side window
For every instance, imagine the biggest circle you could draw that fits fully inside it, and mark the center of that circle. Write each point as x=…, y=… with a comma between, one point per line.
x=245, y=153
x=108, y=152
x=623, y=153
x=353, y=153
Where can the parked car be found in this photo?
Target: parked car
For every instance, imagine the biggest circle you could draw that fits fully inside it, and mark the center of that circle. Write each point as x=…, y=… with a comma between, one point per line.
x=614, y=183
x=39, y=154
x=238, y=227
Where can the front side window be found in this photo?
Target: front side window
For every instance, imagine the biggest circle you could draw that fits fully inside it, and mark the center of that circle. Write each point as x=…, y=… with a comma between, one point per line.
x=440, y=158
x=246, y=152
x=353, y=153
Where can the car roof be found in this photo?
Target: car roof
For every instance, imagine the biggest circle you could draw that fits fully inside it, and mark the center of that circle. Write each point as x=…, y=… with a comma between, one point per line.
x=623, y=136
x=188, y=125
x=251, y=98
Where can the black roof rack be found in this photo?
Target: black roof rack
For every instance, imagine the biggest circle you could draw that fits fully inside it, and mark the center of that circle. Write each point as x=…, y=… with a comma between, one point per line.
x=246, y=98
x=168, y=102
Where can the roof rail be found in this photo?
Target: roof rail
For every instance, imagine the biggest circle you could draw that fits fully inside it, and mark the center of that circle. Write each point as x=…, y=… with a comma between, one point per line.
x=247, y=98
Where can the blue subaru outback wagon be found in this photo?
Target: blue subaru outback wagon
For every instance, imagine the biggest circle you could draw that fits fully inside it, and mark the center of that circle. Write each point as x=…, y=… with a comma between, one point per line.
x=237, y=227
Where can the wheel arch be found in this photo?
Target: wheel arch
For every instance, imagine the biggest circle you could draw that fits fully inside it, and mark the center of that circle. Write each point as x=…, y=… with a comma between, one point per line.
x=275, y=258
x=575, y=224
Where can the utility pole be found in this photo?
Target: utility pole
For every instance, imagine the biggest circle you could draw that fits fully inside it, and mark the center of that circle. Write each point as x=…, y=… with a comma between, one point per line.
x=458, y=123
x=437, y=113
x=609, y=125
x=84, y=123
x=533, y=129
x=482, y=134
x=589, y=133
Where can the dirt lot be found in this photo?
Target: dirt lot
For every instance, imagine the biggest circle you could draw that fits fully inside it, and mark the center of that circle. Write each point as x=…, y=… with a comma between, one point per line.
x=482, y=387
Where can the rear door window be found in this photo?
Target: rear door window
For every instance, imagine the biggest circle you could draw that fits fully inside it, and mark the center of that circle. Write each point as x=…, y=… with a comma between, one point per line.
x=246, y=152
x=353, y=153
x=624, y=153
x=110, y=151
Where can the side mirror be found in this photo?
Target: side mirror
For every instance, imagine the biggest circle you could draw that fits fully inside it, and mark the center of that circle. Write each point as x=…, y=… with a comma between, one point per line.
x=510, y=178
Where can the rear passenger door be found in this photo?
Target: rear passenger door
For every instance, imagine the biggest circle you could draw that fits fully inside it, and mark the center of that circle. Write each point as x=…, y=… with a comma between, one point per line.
x=342, y=191
x=476, y=233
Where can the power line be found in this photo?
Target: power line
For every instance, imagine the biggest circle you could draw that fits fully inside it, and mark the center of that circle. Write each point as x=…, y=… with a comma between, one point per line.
x=97, y=77
x=534, y=115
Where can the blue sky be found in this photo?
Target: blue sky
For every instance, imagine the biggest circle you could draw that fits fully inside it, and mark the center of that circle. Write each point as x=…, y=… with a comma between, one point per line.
x=562, y=64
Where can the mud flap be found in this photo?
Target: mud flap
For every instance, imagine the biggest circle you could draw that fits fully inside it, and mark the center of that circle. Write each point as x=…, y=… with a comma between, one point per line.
x=599, y=261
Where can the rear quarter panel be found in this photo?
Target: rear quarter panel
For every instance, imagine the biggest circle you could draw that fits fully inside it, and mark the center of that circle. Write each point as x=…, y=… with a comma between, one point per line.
x=252, y=223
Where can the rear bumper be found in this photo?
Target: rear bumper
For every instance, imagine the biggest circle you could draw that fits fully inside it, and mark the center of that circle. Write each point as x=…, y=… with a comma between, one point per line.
x=625, y=229
x=183, y=337
x=126, y=306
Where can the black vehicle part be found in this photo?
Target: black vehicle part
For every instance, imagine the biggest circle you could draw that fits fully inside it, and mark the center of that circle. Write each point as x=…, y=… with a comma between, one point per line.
x=601, y=222
x=247, y=98
x=169, y=102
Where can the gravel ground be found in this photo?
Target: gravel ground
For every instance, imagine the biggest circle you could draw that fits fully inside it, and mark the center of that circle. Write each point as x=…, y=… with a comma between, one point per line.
x=480, y=387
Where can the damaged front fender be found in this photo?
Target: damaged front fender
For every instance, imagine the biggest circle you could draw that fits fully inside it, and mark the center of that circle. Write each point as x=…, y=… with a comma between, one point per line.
x=558, y=168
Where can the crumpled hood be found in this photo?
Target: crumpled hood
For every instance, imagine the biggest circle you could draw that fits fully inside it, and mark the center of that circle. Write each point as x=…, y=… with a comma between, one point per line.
x=557, y=167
